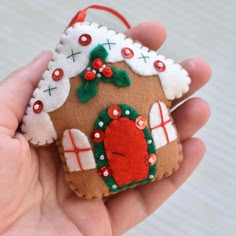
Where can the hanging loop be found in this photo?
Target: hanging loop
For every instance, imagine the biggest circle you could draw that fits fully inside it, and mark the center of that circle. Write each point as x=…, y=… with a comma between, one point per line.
x=81, y=15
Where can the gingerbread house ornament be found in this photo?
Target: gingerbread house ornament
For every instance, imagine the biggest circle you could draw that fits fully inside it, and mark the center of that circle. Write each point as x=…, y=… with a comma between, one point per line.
x=105, y=100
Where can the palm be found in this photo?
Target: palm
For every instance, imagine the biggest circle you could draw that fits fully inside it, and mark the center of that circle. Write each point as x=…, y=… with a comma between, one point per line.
x=35, y=196
x=38, y=185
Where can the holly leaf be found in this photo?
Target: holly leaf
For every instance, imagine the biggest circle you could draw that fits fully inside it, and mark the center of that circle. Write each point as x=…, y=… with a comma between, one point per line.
x=120, y=78
x=87, y=90
x=98, y=52
x=106, y=80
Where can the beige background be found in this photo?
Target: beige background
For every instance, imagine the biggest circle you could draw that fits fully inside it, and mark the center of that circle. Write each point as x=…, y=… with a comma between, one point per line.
x=205, y=205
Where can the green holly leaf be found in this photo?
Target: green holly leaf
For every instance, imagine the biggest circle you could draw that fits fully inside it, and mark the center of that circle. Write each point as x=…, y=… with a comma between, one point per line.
x=120, y=78
x=87, y=90
x=99, y=52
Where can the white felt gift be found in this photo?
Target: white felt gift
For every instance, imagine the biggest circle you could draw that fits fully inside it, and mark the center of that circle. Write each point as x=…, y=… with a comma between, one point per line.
x=77, y=151
x=162, y=129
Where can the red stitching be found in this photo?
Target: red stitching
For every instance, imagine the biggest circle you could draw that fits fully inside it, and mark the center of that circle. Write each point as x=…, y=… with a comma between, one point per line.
x=162, y=124
x=77, y=150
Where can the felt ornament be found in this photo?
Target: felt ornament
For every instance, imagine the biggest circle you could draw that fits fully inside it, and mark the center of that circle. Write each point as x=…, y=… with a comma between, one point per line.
x=105, y=100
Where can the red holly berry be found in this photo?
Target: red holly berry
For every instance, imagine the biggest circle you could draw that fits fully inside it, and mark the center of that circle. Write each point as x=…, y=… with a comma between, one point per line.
x=107, y=72
x=89, y=75
x=97, y=63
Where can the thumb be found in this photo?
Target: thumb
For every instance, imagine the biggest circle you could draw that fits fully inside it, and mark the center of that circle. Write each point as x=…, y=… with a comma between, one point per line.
x=17, y=88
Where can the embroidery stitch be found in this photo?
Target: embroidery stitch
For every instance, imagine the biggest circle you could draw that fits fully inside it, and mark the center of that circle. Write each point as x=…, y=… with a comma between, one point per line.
x=75, y=150
x=143, y=57
x=73, y=55
x=49, y=90
x=109, y=44
x=162, y=124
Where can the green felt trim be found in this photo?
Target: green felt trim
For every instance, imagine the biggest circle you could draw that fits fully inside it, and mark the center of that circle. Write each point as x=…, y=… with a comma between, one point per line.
x=88, y=89
x=100, y=151
x=99, y=52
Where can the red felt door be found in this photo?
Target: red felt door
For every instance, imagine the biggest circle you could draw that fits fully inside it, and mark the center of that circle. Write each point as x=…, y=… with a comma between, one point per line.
x=126, y=151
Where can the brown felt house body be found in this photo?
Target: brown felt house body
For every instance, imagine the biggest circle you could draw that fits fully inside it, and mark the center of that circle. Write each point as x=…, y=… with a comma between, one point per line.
x=99, y=160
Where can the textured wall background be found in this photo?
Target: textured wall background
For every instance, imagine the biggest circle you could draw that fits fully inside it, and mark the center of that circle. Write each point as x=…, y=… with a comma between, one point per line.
x=205, y=205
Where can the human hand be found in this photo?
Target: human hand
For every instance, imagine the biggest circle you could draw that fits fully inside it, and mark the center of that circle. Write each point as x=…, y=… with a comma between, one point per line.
x=35, y=199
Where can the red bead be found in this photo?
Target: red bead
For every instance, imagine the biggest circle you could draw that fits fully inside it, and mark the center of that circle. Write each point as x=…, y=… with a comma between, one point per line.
x=151, y=160
x=105, y=172
x=114, y=112
x=97, y=63
x=85, y=39
x=127, y=52
x=89, y=75
x=107, y=72
x=141, y=122
x=97, y=136
x=57, y=74
x=38, y=106
x=159, y=66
